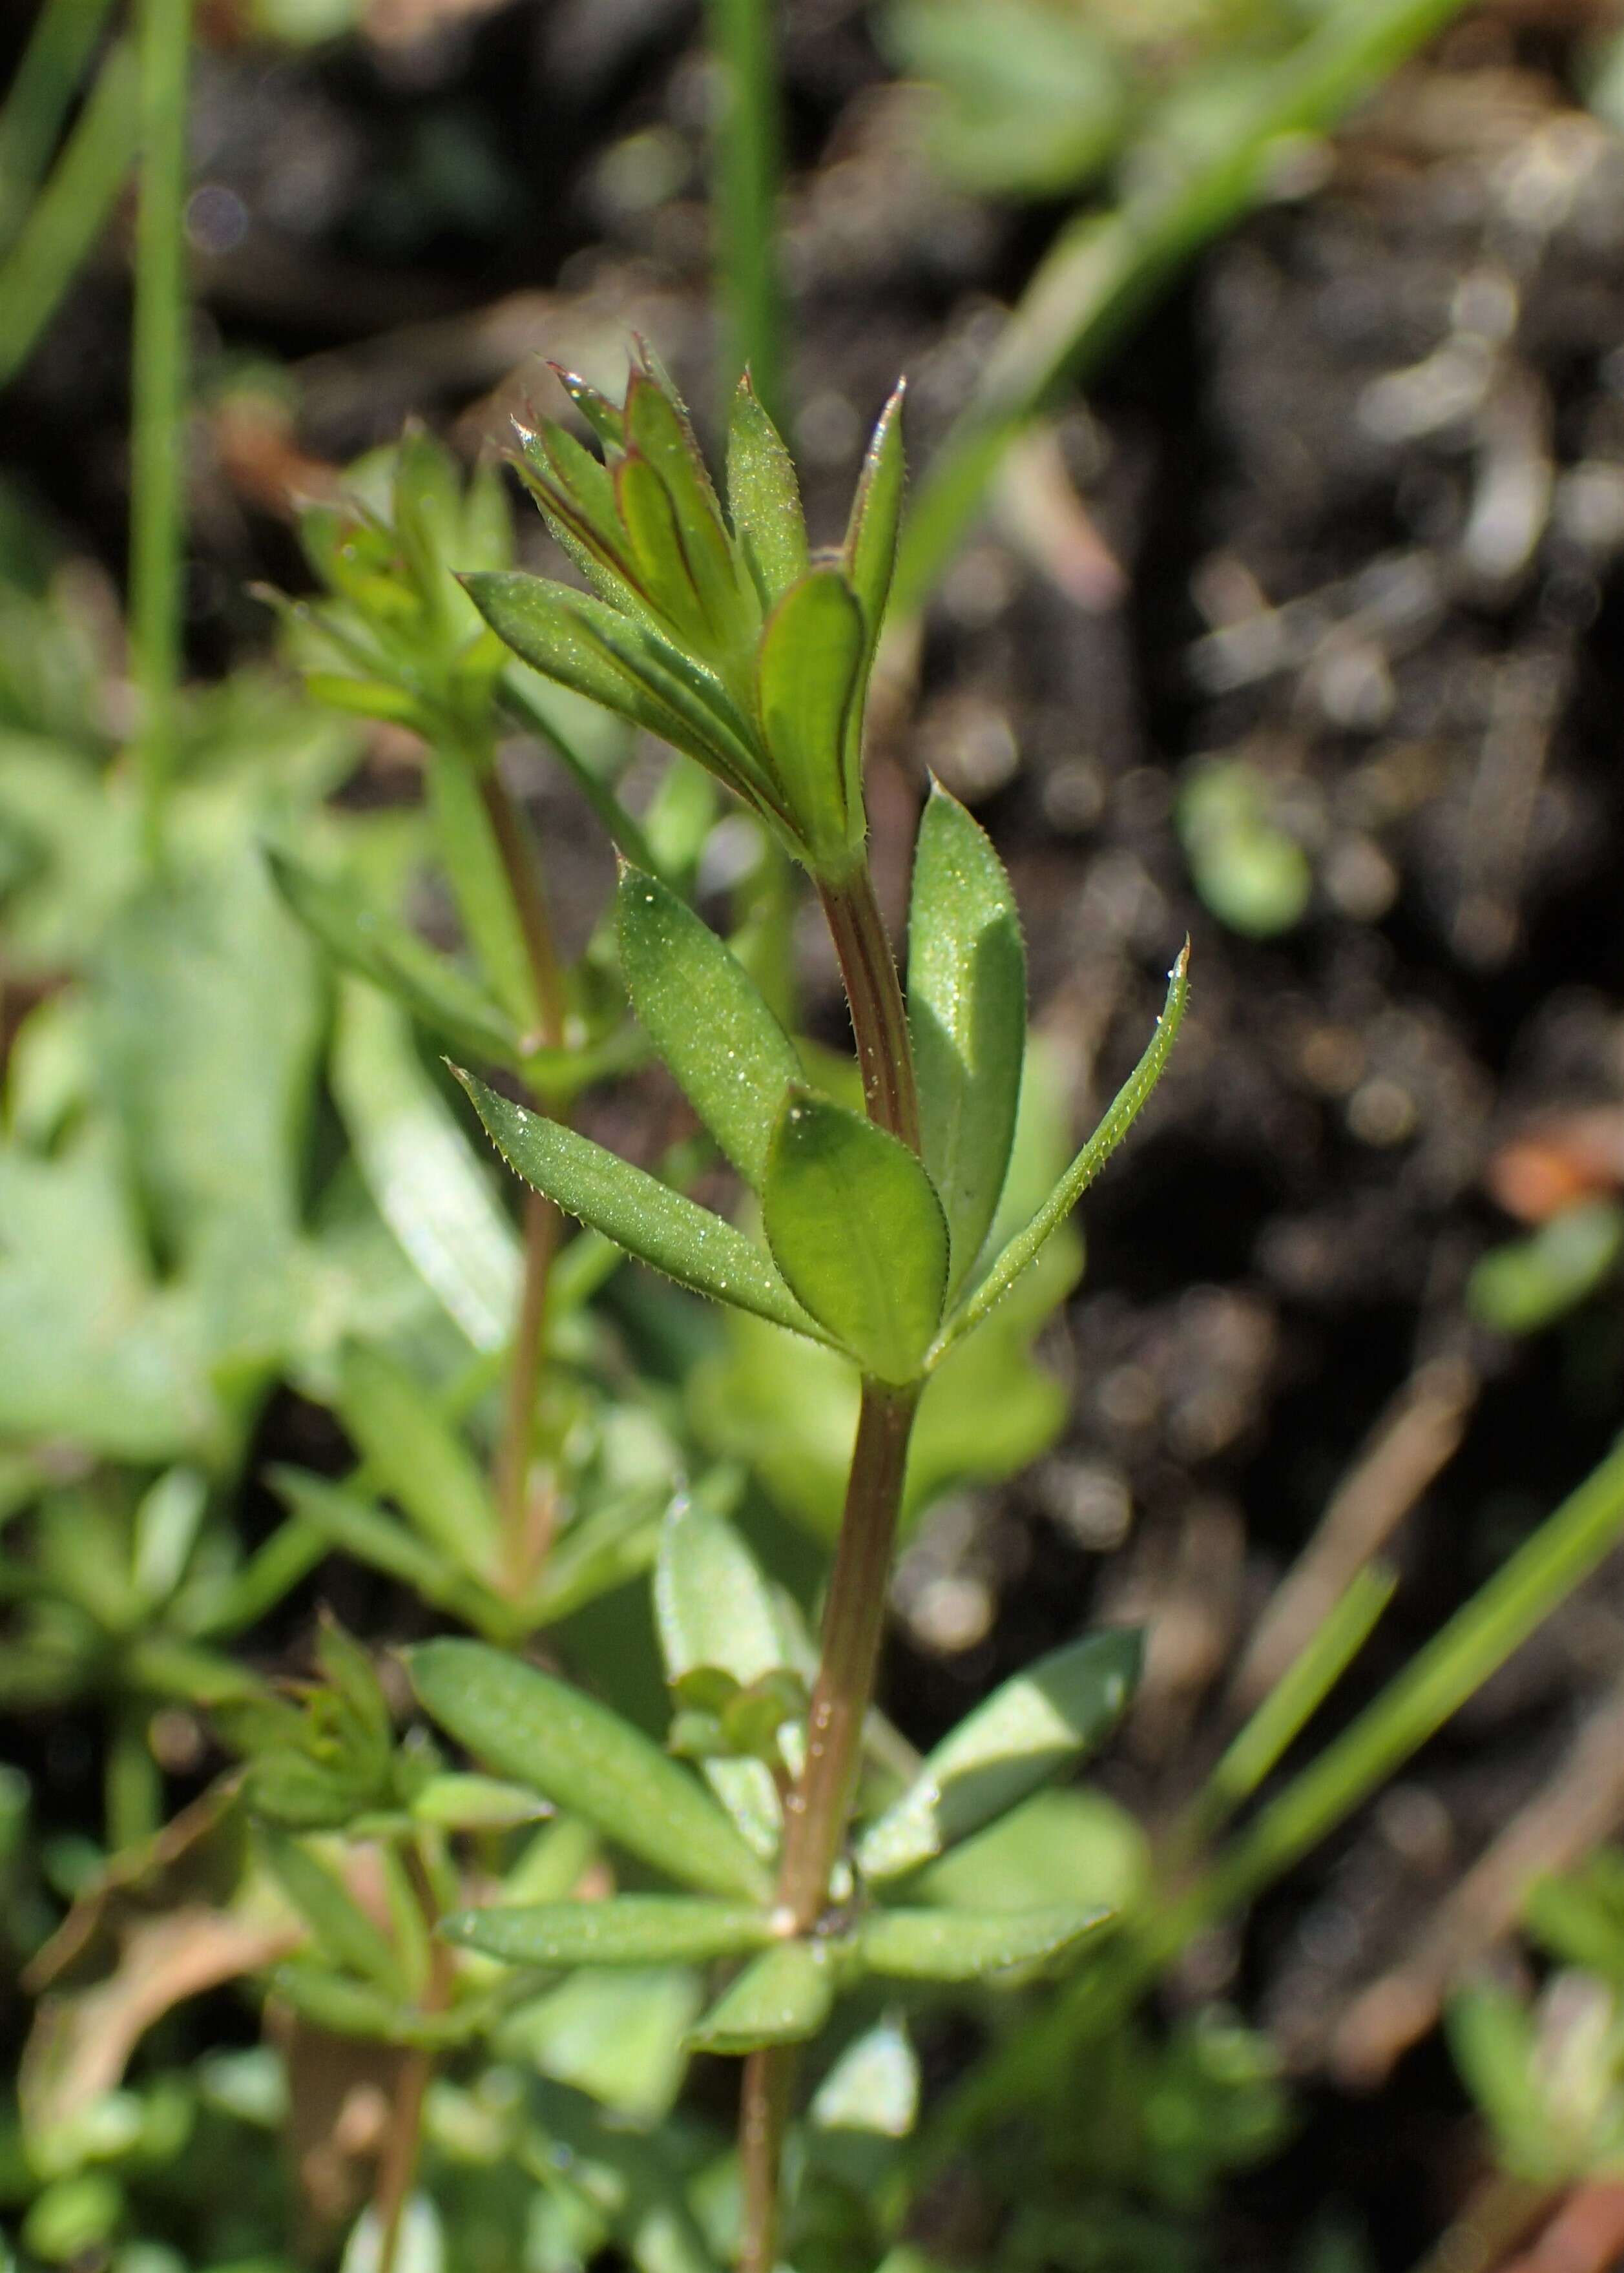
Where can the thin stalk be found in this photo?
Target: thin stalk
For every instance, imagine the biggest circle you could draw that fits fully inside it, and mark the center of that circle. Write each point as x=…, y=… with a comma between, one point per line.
x=853, y=1621
x=527, y=1527
x=879, y=1021
x=157, y=503
x=818, y=1810
x=1106, y=269
x=747, y=161
x=763, y=2117
x=397, y=2165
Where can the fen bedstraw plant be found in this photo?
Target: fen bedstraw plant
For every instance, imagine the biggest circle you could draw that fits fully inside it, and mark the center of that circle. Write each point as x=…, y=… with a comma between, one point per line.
x=725, y=634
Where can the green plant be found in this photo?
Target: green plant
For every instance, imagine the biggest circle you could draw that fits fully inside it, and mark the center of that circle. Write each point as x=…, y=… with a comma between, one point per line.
x=721, y=633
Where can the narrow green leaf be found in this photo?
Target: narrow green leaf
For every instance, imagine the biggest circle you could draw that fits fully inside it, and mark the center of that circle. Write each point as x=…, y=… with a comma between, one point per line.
x=358, y=1526
x=650, y=516
x=782, y=1998
x=646, y=1217
x=352, y=2008
x=614, y=1541
x=968, y=1015
x=426, y=982
x=528, y=1725
x=958, y=1946
x=763, y=497
x=808, y=667
x=707, y=1018
x=873, y=2085
x=877, y=516
x=630, y=1930
x=476, y=1803
x=418, y=1458
x=602, y=415
x=713, y=1604
x=1125, y=1110
x=1037, y=1723
x=858, y=1234
x=656, y=428
x=343, y=1929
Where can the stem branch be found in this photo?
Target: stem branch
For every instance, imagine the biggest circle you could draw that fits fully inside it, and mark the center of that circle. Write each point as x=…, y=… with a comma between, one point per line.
x=879, y=1021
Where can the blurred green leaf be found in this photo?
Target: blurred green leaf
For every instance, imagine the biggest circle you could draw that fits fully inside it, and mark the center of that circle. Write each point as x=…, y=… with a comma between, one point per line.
x=782, y=1998
x=417, y=1458
x=810, y=672
x=873, y=2085
x=627, y=1930
x=343, y=1929
x=957, y=1945
x=476, y=1803
x=621, y=2037
x=1251, y=873
x=1526, y=1284
x=1038, y=1722
x=858, y=1233
x=536, y=1730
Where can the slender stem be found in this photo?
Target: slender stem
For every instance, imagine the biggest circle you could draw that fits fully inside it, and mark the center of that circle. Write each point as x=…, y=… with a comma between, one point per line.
x=853, y=1621
x=816, y=1812
x=879, y=1021
x=157, y=502
x=397, y=2165
x=527, y=1529
x=747, y=159
x=763, y=2115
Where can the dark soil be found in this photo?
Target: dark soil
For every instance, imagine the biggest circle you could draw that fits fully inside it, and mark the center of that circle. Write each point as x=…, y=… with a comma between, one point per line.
x=1364, y=473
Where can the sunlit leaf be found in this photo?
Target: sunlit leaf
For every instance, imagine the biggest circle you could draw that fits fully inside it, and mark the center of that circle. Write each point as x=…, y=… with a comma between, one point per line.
x=782, y=1998
x=967, y=1016
x=858, y=1233
x=1039, y=1721
x=763, y=497
x=628, y=1930
x=537, y=1730
x=707, y=1018
x=958, y=1946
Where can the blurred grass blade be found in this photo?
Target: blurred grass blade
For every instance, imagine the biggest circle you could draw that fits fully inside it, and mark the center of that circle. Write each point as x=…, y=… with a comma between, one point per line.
x=43, y=87
x=1106, y=269
x=418, y=1459
x=343, y=1929
x=71, y=210
x=1294, y=1700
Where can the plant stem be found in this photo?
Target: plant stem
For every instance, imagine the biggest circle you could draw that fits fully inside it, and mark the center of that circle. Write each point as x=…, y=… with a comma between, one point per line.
x=526, y=1531
x=397, y=2165
x=763, y=2114
x=747, y=167
x=157, y=501
x=879, y=1021
x=816, y=1812
x=853, y=1621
